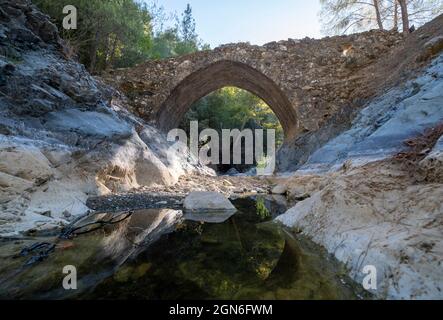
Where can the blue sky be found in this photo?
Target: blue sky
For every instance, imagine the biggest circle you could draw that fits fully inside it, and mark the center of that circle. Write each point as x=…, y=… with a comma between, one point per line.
x=256, y=21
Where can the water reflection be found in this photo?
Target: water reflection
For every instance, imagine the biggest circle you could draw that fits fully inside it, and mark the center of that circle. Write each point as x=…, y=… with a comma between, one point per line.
x=96, y=255
x=156, y=254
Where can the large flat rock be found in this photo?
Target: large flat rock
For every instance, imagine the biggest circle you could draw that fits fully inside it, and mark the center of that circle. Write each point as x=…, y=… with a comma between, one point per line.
x=380, y=130
x=204, y=202
x=88, y=123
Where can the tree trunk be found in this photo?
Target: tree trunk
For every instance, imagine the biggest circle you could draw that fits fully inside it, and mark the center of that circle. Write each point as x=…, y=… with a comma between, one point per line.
x=110, y=61
x=395, y=15
x=404, y=15
x=93, y=53
x=378, y=14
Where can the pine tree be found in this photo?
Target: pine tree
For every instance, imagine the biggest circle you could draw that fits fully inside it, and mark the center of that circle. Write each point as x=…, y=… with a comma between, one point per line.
x=188, y=26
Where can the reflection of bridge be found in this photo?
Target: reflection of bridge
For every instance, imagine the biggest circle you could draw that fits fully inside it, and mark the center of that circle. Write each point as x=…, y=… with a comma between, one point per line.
x=305, y=82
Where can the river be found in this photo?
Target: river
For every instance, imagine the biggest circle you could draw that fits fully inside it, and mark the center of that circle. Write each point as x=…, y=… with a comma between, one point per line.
x=158, y=254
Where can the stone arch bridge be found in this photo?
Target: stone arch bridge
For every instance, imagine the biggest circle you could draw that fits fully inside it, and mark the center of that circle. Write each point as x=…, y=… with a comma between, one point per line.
x=305, y=82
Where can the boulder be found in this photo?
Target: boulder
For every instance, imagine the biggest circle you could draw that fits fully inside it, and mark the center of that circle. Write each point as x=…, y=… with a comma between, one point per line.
x=279, y=189
x=88, y=124
x=359, y=216
x=203, y=202
x=431, y=48
x=24, y=162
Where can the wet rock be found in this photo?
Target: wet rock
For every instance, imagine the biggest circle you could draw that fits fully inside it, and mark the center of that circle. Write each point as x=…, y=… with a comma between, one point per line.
x=48, y=229
x=141, y=228
x=209, y=217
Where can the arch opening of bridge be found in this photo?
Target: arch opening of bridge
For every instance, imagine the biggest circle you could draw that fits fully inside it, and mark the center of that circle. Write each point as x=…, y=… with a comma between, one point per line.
x=222, y=74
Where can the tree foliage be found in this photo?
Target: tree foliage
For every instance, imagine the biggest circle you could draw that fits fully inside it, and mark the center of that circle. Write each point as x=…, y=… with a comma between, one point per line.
x=179, y=39
x=346, y=16
x=230, y=108
x=121, y=33
x=189, y=36
x=110, y=33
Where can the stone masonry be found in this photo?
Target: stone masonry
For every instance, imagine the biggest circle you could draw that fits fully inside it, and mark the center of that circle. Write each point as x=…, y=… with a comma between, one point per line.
x=305, y=82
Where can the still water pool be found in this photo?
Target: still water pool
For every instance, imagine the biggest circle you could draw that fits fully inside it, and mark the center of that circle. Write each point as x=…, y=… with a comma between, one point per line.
x=158, y=254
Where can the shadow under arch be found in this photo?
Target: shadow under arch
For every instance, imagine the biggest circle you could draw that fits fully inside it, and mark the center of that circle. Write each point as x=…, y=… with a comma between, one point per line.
x=222, y=74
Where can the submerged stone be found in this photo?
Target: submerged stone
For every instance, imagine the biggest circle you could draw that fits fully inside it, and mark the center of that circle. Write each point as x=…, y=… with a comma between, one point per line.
x=209, y=217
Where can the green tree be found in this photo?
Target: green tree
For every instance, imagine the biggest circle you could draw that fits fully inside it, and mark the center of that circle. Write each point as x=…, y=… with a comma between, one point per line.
x=188, y=26
x=122, y=33
x=112, y=33
x=234, y=108
x=230, y=108
x=164, y=44
x=179, y=39
x=188, y=34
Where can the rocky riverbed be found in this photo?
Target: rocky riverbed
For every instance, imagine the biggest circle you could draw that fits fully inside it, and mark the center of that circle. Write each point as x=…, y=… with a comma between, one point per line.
x=369, y=192
x=173, y=196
